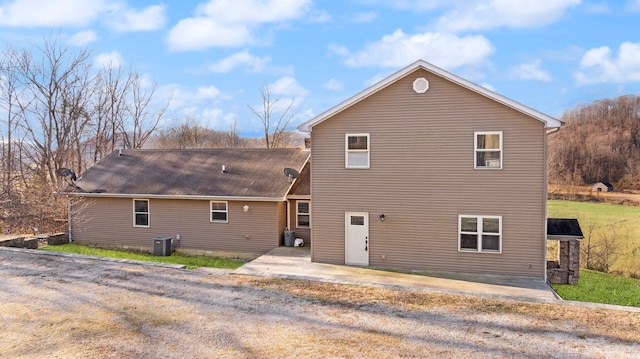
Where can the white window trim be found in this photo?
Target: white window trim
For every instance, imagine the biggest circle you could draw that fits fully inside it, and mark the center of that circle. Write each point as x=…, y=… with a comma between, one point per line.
x=304, y=214
x=476, y=150
x=347, y=150
x=479, y=233
x=148, y=213
x=217, y=211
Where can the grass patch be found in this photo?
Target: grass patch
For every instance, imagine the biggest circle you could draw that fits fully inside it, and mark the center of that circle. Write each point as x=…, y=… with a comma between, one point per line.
x=175, y=258
x=597, y=287
x=623, y=222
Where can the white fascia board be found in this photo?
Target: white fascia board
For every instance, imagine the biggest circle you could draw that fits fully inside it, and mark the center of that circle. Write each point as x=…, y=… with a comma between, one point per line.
x=549, y=121
x=162, y=196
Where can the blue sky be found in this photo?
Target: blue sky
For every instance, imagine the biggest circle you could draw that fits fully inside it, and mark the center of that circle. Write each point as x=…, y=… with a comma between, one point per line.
x=214, y=56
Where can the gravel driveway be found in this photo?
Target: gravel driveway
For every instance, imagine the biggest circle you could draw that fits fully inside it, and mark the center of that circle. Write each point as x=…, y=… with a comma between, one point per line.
x=66, y=307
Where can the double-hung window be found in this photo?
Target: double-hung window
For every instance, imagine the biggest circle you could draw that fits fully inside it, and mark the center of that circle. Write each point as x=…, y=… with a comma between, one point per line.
x=480, y=234
x=219, y=211
x=303, y=214
x=488, y=149
x=141, y=213
x=357, y=150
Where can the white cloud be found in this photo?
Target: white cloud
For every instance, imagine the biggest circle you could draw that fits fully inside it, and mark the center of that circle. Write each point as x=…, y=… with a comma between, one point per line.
x=129, y=20
x=207, y=92
x=253, y=11
x=188, y=98
x=36, y=13
x=217, y=119
x=244, y=58
x=198, y=33
x=82, y=38
x=319, y=17
x=489, y=14
x=230, y=23
x=599, y=65
x=364, y=17
x=633, y=5
x=443, y=50
x=413, y=5
x=108, y=59
x=597, y=8
x=339, y=50
x=81, y=13
x=288, y=86
x=333, y=85
x=531, y=71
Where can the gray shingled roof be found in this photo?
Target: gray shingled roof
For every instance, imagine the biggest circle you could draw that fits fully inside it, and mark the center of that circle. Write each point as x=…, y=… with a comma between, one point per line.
x=249, y=172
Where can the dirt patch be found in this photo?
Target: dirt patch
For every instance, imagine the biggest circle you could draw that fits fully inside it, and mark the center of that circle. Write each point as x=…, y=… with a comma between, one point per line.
x=586, y=194
x=77, y=308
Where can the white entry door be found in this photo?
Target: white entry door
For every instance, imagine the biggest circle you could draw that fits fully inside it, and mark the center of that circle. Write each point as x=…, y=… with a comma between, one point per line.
x=356, y=238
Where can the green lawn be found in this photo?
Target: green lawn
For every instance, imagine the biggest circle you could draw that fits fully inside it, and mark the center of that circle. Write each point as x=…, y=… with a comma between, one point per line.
x=603, y=288
x=174, y=258
x=606, y=219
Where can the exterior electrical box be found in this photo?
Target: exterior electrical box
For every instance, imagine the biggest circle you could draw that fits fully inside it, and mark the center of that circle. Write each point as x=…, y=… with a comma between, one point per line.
x=162, y=246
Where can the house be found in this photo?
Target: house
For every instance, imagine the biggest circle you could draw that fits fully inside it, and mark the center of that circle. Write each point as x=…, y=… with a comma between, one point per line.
x=428, y=171
x=222, y=201
x=422, y=171
x=602, y=187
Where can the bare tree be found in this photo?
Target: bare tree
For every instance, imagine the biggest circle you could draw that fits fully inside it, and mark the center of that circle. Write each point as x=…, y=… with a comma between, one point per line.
x=109, y=111
x=59, y=85
x=144, y=119
x=273, y=117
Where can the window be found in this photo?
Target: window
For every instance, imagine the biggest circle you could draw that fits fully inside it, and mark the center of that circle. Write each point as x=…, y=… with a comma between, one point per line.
x=357, y=151
x=480, y=234
x=303, y=214
x=219, y=210
x=141, y=213
x=488, y=150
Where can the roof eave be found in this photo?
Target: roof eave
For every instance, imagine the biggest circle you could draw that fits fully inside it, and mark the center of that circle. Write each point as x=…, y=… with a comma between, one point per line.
x=189, y=197
x=549, y=121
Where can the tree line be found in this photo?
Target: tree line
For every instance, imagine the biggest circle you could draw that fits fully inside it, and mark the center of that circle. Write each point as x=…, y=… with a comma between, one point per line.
x=599, y=142
x=58, y=111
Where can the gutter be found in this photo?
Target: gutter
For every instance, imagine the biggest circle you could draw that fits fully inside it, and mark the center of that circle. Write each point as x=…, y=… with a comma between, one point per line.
x=165, y=196
x=553, y=130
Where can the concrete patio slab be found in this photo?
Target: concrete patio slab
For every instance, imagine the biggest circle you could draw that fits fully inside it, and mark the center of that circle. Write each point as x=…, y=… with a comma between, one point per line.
x=295, y=263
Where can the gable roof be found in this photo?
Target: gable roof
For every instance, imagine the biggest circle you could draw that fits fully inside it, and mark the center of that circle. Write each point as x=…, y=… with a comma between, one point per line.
x=302, y=186
x=549, y=121
x=255, y=174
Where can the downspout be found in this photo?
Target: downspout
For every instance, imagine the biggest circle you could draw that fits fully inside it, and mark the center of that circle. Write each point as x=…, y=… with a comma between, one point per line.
x=546, y=194
x=288, y=214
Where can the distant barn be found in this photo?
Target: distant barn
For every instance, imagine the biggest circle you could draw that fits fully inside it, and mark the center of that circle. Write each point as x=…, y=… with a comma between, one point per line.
x=602, y=187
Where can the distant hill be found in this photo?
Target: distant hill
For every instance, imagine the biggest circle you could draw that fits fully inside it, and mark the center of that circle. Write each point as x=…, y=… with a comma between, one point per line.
x=600, y=142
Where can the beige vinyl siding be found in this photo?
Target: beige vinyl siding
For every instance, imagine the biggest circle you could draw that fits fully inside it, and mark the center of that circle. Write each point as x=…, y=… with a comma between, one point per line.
x=422, y=177
x=301, y=232
x=108, y=222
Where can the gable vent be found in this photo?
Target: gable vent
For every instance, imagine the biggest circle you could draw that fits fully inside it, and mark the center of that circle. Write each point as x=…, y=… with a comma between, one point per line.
x=420, y=85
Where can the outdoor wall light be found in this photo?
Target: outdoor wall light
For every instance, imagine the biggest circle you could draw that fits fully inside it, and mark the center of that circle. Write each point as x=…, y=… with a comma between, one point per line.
x=245, y=208
x=382, y=217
